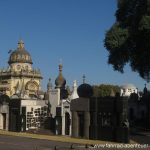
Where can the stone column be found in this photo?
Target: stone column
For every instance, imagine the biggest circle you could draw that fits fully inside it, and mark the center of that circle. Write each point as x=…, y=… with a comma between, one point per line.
x=7, y=121
x=70, y=128
x=95, y=130
x=86, y=124
x=63, y=125
x=75, y=124
x=1, y=121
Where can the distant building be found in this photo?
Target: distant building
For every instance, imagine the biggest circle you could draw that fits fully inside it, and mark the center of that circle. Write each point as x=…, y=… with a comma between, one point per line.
x=138, y=105
x=139, y=109
x=128, y=89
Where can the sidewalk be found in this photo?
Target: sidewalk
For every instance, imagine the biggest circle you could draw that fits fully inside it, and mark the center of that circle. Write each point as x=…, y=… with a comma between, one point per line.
x=141, y=131
x=55, y=138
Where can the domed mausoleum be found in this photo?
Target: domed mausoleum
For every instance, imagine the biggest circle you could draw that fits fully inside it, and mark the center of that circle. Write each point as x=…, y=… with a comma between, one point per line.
x=127, y=90
x=21, y=101
x=85, y=90
x=20, y=78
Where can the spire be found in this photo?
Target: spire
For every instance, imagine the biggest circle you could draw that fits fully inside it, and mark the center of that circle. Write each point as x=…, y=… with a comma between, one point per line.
x=20, y=44
x=60, y=68
x=60, y=81
x=60, y=65
x=49, y=85
x=74, y=84
x=74, y=94
x=84, y=78
x=145, y=90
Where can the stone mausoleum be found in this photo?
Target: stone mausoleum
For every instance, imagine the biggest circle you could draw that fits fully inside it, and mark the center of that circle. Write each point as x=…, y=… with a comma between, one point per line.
x=59, y=99
x=21, y=99
x=138, y=105
x=102, y=118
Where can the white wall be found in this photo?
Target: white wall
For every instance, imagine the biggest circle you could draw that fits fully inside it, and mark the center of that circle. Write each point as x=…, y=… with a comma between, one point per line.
x=54, y=99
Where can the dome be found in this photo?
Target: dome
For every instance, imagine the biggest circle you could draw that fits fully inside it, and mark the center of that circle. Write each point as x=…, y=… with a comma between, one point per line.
x=128, y=86
x=85, y=90
x=20, y=55
x=127, y=89
x=60, y=81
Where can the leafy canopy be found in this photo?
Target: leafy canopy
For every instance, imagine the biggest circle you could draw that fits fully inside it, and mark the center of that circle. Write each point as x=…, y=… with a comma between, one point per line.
x=128, y=40
x=103, y=90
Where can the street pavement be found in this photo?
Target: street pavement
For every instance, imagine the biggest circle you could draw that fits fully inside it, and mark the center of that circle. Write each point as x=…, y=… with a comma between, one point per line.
x=23, y=143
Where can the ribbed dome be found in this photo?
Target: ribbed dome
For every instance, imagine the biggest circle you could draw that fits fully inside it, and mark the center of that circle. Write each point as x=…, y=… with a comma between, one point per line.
x=60, y=81
x=85, y=90
x=20, y=55
x=128, y=86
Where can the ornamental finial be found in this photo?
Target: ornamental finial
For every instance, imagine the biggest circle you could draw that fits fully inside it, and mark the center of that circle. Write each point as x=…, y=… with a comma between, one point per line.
x=20, y=44
x=60, y=65
x=84, y=78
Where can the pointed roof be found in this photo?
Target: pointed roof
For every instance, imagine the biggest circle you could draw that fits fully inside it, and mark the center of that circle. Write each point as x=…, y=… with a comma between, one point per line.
x=74, y=94
x=145, y=91
x=49, y=84
x=60, y=81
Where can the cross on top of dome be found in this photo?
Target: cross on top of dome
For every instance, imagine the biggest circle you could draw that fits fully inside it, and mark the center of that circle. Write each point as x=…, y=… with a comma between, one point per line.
x=20, y=44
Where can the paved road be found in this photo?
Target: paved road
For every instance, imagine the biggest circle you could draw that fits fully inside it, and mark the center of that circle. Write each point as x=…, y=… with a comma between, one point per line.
x=142, y=137
x=21, y=143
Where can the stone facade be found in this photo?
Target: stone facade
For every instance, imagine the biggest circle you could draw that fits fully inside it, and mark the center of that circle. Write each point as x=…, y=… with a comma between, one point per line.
x=128, y=89
x=21, y=84
x=4, y=112
x=54, y=100
x=27, y=114
x=102, y=118
x=59, y=103
x=20, y=77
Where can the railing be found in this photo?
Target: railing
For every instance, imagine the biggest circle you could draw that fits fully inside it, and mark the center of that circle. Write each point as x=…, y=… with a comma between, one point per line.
x=32, y=73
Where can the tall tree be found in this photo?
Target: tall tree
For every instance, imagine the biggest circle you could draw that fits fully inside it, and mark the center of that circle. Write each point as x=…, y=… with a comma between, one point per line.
x=105, y=90
x=128, y=40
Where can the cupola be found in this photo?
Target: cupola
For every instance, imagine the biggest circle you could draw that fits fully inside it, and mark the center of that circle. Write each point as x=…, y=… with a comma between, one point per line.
x=60, y=81
x=20, y=55
x=85, y=90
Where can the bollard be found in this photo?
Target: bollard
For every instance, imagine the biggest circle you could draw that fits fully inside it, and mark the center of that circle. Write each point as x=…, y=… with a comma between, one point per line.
x=55, y=148
x=71, y=147
x=86, y=146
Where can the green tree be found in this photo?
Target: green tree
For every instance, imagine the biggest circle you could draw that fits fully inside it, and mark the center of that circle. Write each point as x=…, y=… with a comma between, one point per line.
x=128, y=40
x=105, y=90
